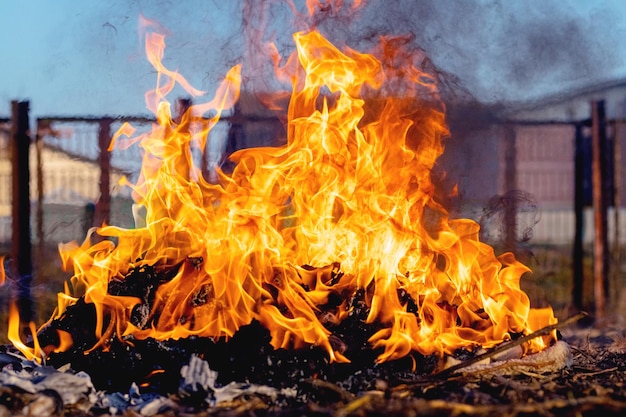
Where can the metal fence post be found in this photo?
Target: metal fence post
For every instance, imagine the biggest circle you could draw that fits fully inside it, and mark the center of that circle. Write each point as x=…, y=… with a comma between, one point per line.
x=20, y=208
x=510, y=184
x=579, y=208
x=103, y=206
x=600, y=204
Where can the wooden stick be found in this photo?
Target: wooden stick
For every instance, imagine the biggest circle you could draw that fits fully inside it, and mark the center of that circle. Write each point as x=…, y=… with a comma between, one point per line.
x=503, y=347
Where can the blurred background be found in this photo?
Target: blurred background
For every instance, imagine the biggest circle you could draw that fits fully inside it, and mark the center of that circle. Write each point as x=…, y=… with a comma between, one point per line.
x=535, y=96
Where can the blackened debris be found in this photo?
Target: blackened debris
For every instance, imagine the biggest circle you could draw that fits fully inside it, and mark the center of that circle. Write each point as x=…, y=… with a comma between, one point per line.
x=246, y=357
x=143, y=283
x=79, y=320
x=408, y=301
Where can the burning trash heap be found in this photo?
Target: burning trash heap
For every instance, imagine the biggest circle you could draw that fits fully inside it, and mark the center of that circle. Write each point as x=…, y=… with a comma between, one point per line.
x=335, y=232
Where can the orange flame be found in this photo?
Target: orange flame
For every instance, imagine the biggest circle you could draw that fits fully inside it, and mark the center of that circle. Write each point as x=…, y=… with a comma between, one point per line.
x=13, y=333
x=346, y=205
x=3, y=275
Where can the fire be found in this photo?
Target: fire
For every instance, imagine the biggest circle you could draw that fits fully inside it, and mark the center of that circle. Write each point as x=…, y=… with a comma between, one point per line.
x=346, y=205
x=2, y=272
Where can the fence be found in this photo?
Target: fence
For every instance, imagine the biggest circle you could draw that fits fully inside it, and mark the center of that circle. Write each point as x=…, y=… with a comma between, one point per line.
x=74, y=183
x=74, y=178
x=67, y=182
x=66, y=173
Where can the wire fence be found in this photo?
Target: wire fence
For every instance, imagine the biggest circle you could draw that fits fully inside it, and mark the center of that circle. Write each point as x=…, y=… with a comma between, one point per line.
x=65, y=176
x=67, y=173
x=69, y=160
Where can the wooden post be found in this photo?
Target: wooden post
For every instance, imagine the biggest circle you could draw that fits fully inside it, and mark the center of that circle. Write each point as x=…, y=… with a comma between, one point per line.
x=510, y=184
x=40, y=195
x=103, y=206
x=182, y=119
x=204, y=158
x=579, y=205
x=20, y=205
x=599, y=180
x=617, y=196
x=234, y=139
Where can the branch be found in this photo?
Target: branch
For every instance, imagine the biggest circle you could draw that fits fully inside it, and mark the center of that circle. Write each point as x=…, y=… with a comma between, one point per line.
x=503, y=347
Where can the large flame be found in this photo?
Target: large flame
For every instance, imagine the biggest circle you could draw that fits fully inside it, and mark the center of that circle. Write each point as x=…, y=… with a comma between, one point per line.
x=346, y=205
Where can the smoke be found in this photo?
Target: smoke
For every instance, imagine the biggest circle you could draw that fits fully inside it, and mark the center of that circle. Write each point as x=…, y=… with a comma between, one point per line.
x=502, y=50
x=551, y=43
x=495, y=50
x=521, y=206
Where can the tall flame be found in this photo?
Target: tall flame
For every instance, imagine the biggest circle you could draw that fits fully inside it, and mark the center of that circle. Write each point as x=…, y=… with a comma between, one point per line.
x=346, y=205
x=2, y=272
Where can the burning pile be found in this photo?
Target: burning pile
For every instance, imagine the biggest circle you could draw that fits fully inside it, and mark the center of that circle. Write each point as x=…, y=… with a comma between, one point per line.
x=294, y=232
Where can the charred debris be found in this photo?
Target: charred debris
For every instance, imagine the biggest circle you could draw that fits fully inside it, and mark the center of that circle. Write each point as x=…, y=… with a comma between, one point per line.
x=245, y=375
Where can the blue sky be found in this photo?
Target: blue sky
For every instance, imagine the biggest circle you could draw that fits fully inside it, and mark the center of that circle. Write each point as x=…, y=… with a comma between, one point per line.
x=86, y=58
x=70, y=57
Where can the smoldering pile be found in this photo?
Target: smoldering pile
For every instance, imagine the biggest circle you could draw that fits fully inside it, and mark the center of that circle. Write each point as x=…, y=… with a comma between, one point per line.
x=244, y=372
